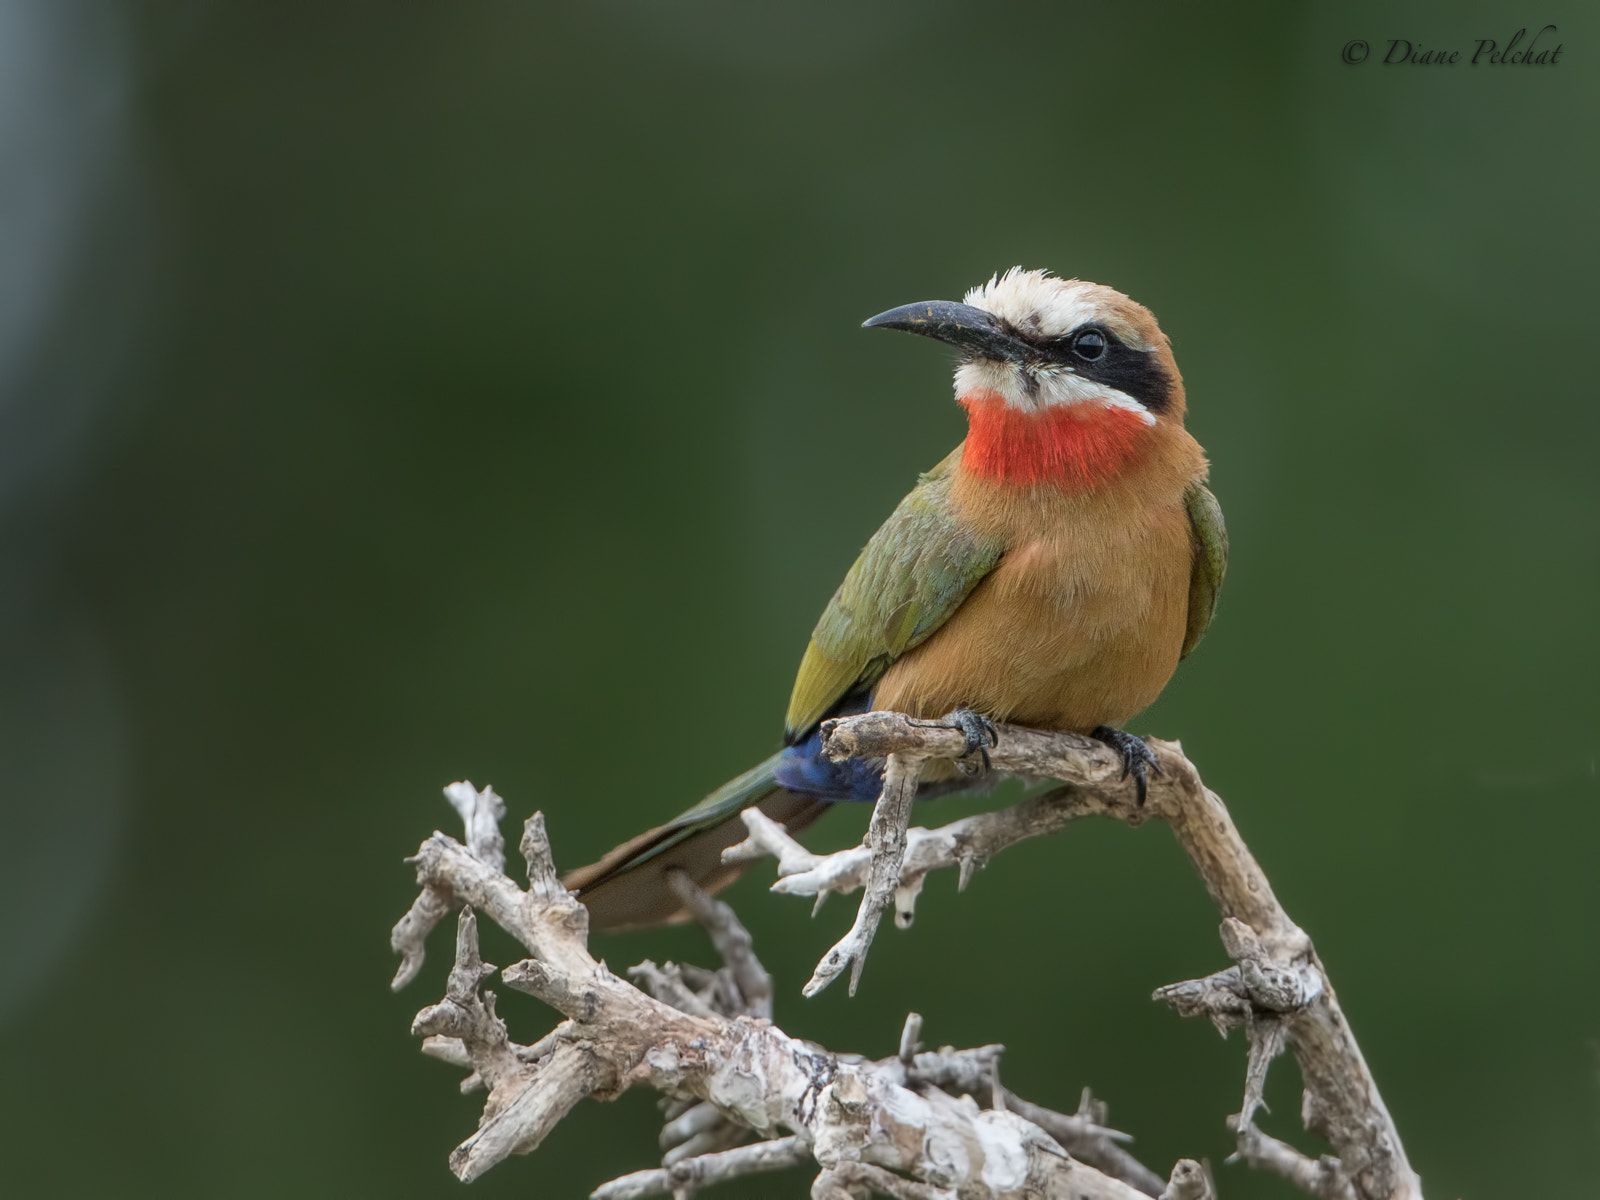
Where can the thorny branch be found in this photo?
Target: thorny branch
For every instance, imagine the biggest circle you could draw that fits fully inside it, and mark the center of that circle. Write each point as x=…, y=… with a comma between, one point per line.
x=920, y=1124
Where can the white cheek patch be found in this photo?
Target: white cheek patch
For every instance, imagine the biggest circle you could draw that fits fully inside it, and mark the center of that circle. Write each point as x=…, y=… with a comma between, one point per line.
x=1053, y=388
x=984, y=375
x=1065, y=388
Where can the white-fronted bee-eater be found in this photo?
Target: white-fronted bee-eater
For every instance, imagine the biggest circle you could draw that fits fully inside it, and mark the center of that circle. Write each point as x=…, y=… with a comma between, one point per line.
x=1051, y=572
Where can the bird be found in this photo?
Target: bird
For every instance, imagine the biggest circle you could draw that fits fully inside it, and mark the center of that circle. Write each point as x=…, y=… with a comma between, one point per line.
x=1051, y=572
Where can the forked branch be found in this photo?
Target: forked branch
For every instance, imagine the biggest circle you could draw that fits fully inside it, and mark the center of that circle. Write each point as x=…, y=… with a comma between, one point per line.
x=921, y=1124
x=1277, y=989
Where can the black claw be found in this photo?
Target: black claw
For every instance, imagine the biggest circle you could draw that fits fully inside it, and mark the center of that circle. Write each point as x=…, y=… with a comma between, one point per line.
x=1136, y=756
x=980, y=731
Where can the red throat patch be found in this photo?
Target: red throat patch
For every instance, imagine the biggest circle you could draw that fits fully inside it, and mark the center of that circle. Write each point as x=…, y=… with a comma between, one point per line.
x=1076, y=446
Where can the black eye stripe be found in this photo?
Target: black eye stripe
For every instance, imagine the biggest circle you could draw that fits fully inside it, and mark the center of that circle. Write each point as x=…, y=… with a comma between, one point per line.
x=1136, y=373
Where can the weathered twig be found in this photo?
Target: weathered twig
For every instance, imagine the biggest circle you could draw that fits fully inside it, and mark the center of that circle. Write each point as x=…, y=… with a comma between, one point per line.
x=1277, y=989
x=481, y=813
x=741, y=988
x=689, y=1174
x=1324, y=1177
x=886, y=838
x=744, y=986
x=889, y=1125
x=1190, y=1181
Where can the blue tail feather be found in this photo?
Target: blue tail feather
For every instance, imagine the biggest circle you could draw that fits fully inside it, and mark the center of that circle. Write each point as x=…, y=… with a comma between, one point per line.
x=803, y=768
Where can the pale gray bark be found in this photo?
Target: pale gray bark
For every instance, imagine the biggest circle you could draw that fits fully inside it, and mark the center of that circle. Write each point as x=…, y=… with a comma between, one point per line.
x=1278, y=989
x=921, y=1124
x=700, y=1041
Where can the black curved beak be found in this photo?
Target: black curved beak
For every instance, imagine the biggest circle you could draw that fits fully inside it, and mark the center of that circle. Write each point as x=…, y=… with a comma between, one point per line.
x=980, y=334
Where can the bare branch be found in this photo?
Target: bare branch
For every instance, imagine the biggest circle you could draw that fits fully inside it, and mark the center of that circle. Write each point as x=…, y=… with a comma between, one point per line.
x=909, y=1038
x=481, y=814
x=692, y=1173
x=702, y=1118
x=1190, y=1181
x=1090, y=1142
x=1277, y=987
x=746, y=986
x=920, y=1124
x=467, y=1016
x=886, y=1125
x=886, y=835
x=1323, y=1177
x=853, y=1180
x=411, y=934
x=666, y=985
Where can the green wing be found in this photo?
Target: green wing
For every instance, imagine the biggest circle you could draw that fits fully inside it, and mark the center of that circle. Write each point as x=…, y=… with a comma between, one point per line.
x=913, y=574
x=1210, y=561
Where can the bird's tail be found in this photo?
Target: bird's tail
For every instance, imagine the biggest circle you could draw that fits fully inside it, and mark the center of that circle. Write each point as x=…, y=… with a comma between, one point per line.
x=628, y=887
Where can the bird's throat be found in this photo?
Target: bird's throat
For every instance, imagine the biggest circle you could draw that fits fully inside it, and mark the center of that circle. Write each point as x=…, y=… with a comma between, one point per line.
x=1077, y=447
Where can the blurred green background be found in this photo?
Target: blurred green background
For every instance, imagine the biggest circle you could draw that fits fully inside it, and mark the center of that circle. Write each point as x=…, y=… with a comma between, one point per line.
x=393, y=394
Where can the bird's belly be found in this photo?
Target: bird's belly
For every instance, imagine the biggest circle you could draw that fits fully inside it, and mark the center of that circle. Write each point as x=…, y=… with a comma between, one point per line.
x=1056, y=638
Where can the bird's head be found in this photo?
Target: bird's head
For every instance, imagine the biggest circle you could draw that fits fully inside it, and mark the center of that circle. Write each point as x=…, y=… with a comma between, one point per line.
x=1058, y=376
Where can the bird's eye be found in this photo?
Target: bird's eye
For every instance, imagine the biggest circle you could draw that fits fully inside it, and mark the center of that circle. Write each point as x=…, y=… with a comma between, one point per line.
x=1090, y=345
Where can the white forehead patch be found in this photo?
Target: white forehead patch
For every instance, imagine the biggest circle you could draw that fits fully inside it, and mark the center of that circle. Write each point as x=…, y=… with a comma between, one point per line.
x=1038, y=302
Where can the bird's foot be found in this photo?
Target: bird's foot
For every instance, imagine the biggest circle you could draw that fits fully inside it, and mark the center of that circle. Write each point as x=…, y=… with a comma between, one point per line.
x=980, y=733
x=1136, y=756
